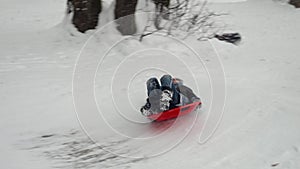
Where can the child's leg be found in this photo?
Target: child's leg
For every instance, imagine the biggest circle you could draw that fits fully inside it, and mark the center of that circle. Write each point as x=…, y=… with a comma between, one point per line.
x=166, y=83
x=152, y=84
x=154, y=93
x=186, y=91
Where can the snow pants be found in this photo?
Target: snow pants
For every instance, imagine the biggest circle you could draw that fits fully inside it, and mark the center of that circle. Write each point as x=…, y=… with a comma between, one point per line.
x=166, y=83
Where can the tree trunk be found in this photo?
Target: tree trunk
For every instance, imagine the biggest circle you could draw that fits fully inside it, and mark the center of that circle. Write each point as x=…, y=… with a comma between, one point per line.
x=85, y=13
x=296, y=3
x=124, y=15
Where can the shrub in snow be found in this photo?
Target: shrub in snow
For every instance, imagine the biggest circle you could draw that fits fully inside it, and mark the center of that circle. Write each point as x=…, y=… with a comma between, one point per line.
x=183, y=18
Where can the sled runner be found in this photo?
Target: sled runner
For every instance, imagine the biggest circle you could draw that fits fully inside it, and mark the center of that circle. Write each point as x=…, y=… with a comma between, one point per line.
x=176, y=112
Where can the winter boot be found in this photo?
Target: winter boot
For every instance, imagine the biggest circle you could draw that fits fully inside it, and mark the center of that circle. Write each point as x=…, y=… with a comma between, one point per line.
x=145, y=110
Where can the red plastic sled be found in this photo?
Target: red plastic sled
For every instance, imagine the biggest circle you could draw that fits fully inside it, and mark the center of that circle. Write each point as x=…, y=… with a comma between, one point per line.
x=174, y=113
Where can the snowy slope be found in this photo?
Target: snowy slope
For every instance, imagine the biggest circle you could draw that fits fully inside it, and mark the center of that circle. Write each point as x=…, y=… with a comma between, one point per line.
x=41, y=127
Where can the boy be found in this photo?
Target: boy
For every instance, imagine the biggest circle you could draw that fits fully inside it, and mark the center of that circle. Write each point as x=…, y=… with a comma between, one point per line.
x=170, y=94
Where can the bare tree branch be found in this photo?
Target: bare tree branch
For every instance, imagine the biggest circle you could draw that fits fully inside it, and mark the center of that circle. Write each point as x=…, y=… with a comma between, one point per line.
x=183, y=18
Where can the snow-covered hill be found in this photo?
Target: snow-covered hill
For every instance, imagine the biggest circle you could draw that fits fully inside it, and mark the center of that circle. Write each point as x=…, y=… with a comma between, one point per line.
x=51, y=88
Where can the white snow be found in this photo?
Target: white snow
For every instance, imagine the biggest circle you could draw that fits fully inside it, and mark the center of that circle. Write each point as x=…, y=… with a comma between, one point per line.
x=45, y=118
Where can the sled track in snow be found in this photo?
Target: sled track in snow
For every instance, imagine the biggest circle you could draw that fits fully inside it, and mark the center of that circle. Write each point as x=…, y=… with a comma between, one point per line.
x=73, y=149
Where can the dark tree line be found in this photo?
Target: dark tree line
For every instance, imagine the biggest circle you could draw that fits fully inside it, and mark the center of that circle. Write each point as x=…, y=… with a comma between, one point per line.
x=86, y=14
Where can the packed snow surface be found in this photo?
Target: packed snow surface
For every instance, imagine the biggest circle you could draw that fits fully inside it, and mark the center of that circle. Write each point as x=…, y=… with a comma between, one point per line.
x=71, y=100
